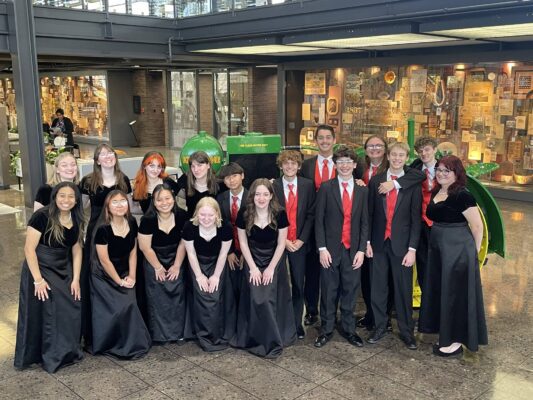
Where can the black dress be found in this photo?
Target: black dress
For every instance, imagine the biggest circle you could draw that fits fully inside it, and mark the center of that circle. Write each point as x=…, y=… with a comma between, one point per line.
x=43, y=194
x=265, y=320
x=452, y=297
x=145, y=203
x=192, y=201
x=212, y=315
x=118, y=327
x=48, y=332
x=97, y=203
x=166, y=307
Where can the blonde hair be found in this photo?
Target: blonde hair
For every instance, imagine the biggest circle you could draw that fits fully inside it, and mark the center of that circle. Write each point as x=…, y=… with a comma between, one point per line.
x=399, y=145
x=54, y=178
x=208, y=202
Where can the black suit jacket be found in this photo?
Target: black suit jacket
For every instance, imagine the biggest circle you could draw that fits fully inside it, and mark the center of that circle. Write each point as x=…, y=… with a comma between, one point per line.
x=405, y=231
x=329, y=217
x=308, y=168
x=413, y=176
x=223, y=200
x=305, y=215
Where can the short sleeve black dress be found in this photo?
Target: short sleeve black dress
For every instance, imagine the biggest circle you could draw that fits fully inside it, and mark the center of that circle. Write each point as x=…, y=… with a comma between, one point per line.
x=165, y=300
x=118, y=327
x=212, y=315
x=48, y=332
x=192, y=201
x=43, y=194
x=265, y=320
x=452, y=296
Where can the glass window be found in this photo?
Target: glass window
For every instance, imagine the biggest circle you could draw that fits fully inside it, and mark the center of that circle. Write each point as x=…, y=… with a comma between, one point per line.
x=239, y=102
x=140, y=7
x=162, y=8
x=184, y=116
x=221, y=105
x=190, y=8
x=95, y=5
x=117, y=6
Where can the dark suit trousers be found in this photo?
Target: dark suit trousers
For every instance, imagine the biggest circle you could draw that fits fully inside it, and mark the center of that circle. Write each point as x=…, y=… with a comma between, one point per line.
x=236, y=280
x=297, y=265
x=422, y=252
x=340, y=279
x=383, y=263
x=366, y=290
x=312, y=281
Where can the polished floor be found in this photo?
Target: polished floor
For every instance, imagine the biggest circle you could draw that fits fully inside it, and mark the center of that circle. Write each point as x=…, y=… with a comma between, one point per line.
x=501, y=370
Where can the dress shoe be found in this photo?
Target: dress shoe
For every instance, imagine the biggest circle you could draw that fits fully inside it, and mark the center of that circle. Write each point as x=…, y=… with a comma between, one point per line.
x=410, y=342
x=437, y=352
x=365, y=322
x=389, y=325
x=300, y=333
x=377, y=335
x=322, y=340
x=310, y=319
x=355, y=339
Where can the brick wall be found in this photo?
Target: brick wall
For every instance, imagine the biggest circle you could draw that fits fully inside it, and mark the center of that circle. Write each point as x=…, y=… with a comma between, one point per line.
x=205, y=83
x=263, y=86
x=150, y=126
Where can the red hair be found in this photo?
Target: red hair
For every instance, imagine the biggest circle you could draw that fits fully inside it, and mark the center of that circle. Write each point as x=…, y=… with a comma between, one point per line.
x=140, y=190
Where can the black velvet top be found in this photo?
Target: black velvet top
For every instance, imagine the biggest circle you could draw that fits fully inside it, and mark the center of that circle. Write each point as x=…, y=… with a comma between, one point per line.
x=43, y=194
x=192, y=201
x=266, y=235
x=150, y=226
x=117, y=246
x=145, y=203
x=451, y=209
x=203, y=247
x=98, y=198
x=39, y=221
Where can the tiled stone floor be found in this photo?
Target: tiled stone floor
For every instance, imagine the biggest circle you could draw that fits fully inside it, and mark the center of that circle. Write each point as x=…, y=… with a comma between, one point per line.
x=502, y=370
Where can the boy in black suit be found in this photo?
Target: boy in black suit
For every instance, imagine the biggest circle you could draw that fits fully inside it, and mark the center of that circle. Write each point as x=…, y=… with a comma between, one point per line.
x=230, y=203
x=297, y=196
x=341, y=232
x=394, y=234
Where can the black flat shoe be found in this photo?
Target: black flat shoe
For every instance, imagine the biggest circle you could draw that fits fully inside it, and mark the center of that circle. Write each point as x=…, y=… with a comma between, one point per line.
x=355, y=339
x=410, y=342
x=364, y=322
x=389, y=326
x=437, y=352
x=377, y=336
x=300, y=333
x=310, y=319
x=322, y=340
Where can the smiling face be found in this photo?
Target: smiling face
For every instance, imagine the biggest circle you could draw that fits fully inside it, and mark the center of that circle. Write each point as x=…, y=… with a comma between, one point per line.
x=262, y=197
x=234, y=182
x=325, y=141
x=345, y=167
x=107, y=158
x=207, y=216
x=154, y=169
x=445, y=177
x=164, y=201
x=397, y=158
x=199, y=170
x=290, y=168
x=375, y=150
x=67, y=169
x=427, y=154
x=65, y=199
x=118, y=205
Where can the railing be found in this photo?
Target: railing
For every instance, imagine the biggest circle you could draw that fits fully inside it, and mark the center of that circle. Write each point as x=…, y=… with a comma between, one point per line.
x=162, y=8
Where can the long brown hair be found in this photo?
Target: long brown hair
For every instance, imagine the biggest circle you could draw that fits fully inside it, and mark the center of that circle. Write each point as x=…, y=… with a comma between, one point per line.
x=201, y=157
x=454, y=164
x=141, y=180
x=95, y=179
x=274, y=207
x=385, y=163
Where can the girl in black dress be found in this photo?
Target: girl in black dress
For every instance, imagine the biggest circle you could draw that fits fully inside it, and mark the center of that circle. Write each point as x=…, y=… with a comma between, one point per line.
x=118, y=327
x=150, y=174
x=65, y=170
x=95, y=187
x=164, y=252
x=265, y=322
x=199, y=181
x=452, y=297
x=208, y=240
x=49, y=320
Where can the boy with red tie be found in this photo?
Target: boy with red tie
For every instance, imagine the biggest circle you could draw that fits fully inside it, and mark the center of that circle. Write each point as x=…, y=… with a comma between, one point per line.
x=426, y=147
x=318, y=169
x=341, y=231
x=297, y=196
x=394, y=235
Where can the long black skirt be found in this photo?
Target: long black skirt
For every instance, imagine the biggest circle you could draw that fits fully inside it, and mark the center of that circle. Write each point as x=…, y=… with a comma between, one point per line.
x=85, y=283
x=452, y=297
x=265, y=321
x=48, y=332
x=165, y=300
x=118, y=327
x=212, y=316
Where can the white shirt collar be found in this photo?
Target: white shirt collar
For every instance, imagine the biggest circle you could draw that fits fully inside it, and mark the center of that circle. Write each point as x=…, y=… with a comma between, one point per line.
x=286, y=183
x=398, y=175
x=239, y=195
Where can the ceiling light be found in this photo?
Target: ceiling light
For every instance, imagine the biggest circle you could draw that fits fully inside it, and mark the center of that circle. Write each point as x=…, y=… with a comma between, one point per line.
x=487, y=32
x=263, y=49
x=376, y=41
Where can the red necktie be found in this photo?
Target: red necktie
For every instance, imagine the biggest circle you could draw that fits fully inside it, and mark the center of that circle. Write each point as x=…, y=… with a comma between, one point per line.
x=392, y=196
x=291, y=212
x=234, y=211
x=426, y=197
x=370, y=172
x=325, y=171
x=347, y=211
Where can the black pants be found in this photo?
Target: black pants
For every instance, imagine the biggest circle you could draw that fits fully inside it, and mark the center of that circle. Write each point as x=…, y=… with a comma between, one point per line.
x=297, y=265
x=312, y=281
x=339, y=280
x=366, y=290
x=383, y=264
x=422, y=254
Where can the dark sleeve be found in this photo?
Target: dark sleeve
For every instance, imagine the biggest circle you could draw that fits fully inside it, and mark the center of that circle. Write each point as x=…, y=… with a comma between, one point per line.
x=68, y=125
x=128, y=184
x=148, y=225
x=181, y=219
x=359, y=170
x=225, y=232
x=363, y=232
x=43, y=195
x=39, y=220
x=412, y=177
x=416, y=217
x=84, y=185
x=173, y=185
x=371, y=204
x=102, y=235
x=133, y=226
x=188, y=232
x=464, y=201
x=282, y=220
x=240, y=223
x=320, y=211
x=309, y=214
x=182, y=182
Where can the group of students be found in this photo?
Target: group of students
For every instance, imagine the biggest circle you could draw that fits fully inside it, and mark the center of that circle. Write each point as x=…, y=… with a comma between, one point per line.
x=239, y=266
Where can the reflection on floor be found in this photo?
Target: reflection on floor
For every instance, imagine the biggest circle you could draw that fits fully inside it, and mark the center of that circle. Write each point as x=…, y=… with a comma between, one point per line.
x=502, y=370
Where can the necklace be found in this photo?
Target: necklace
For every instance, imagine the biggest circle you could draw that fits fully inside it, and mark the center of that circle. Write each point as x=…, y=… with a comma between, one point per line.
x=122, y=230
x=63, y=222
x=200, y=186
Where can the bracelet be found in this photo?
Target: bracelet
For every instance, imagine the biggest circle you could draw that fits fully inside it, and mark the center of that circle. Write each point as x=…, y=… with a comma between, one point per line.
x=159, y=269
x=38, y=283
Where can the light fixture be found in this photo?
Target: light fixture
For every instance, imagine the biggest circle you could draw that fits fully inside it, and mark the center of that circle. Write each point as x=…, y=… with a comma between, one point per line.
x=254, y=46
x=489, y=32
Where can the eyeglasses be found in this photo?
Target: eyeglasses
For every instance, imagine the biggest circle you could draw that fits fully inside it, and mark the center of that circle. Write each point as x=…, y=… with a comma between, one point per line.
x=116, y=203
x=443, y=171
x=344, y=162
x=104, y=155
x=375, y=146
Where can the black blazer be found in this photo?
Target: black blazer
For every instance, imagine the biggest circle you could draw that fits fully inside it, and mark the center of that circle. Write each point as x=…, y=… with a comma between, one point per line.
x=406, y=221
x=305, y=215
x=413, y=176
x=329, y=218
x=308, y=169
